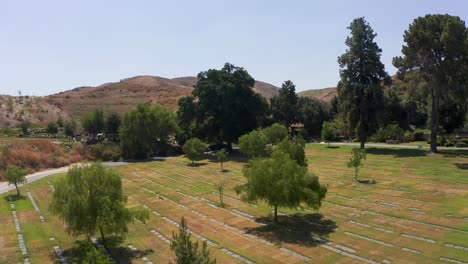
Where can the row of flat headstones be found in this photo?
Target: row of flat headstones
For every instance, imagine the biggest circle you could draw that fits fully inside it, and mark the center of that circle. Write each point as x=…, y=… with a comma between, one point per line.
x=145, y=259
x=36, y=207
x=18, y=229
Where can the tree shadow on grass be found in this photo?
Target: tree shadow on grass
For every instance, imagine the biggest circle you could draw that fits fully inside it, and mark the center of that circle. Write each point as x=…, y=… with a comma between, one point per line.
x=196, y=164
x=14, y=197
x=454, y=153
x=367, y=181
x=396, y=152
x=333, y=147
x=462, y=166
x=125, y=255
x=296, y=229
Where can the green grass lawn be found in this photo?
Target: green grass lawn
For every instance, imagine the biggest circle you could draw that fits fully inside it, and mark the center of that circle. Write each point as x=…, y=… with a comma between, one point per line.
x=416, y=212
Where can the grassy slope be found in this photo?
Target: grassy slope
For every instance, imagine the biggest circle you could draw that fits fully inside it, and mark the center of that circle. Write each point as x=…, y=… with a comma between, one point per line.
x=411, y=185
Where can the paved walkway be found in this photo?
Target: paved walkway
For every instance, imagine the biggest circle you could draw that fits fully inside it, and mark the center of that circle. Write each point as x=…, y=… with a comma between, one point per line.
x=4, y=187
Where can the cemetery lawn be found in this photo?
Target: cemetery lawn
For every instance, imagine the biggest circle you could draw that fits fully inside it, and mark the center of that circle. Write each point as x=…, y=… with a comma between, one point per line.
x=410, y=207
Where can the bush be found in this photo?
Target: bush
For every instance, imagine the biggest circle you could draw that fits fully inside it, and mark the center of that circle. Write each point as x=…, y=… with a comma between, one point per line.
x=390, y=132
x=408, y=136
x=105, y=151
x=449, y=143
x=194, y=149
x=418, y=135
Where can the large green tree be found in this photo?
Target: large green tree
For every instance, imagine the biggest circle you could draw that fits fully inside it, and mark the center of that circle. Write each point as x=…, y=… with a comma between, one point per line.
x=281, y=182
x=113, y=122
x=253, y=144
x=362, y=73
x=284, y=105
x=312, y=113
x=436, y=48
x=145, y=128
x=224, y=105
x=90, y=199
x=194, y=149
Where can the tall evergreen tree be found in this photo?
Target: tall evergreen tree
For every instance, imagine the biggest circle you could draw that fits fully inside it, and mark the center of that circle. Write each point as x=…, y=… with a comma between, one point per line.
x=362, y=73
x=284, y=105
x=436, y=48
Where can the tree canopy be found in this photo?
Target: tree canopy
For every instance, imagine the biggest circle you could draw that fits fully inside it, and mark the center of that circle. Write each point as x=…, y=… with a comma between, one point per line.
x=94, y=122
x=281, y=182
x=436, y=48
x=328, y=132
x=284, y=105
x=52, y=128
x=90, y=199
x=362, y=73
x=275, y=133
x=113, y=123
x=145, y=128
x=253, y=144
x=16, y=176
x=194, y=149
x=223, y=106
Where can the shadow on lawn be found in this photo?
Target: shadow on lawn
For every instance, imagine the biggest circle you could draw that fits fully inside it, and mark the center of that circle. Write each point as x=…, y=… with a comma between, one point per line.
x=462, y=166
x=297, y=229
x=14, y=197
x=454, y=153
x=402, y=153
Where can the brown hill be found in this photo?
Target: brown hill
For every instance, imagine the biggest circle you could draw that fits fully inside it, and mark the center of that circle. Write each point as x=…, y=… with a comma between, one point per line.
x=324, y=94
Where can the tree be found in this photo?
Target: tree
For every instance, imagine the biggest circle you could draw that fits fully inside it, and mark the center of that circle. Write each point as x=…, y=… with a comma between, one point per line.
x=436, y=48
x=222, y=156
x=275, y=133
x=328, y=132
x=25, y=125
x=220, y=185
x=356, y=160
x=312, y=113
x=253, y=144
x=284, y=105
x=90, y=199
x=60, y=121
x=52, y=128
x=144, y=129
x=194, y=149
x=15, y=175
x=186, y=251
x=295, y=149
x=224, y=105
x=362, y=73
x=113, y=123
x=281, y=182
x=93, y=122
x=69, y=128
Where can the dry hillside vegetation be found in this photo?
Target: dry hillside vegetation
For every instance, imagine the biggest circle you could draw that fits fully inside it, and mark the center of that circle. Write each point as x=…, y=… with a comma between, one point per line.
x=325, y=94
x=37, y=154
x=14, y=109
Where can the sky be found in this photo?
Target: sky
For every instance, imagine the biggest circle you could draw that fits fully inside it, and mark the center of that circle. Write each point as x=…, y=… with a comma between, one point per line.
x=52, y=46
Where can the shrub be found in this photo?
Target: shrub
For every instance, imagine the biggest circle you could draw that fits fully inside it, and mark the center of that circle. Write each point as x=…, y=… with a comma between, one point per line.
x=418, y=135
x=390, y=132
x=449, y=143
x=408, y=136
x=194, y=149
x=105, y=151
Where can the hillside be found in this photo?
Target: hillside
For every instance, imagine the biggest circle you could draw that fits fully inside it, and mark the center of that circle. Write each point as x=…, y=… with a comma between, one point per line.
x=325, y=94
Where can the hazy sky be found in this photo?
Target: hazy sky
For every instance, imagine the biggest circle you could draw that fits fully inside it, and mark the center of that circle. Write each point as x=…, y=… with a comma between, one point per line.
x=52, y=46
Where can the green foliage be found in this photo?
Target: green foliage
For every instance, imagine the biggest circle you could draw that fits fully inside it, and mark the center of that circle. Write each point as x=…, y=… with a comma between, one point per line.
x=436, y=50
x=187, y=251
x=356, y=160
x=275, y=133
x=93, y=122
x=105, y=151
x=281, y=182
x=52, y=128
x=362, y=73
x=90, y=199
x=390, y=132
x=60, y=122
x=69, y=128
x=194, y=149
x=295, y=149
x=408, y=136
x=418, y=135
x=222, y=156
x=328, y=132
x=223, y=106
x=85, y=252
x=284, y=105
x=312, y=113
x=25, y=125
x=253, y=144
x=15, y=175
x=113, y=123
x=144, y=127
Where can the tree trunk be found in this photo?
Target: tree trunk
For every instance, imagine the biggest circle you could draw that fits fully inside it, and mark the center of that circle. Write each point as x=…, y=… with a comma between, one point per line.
x=434, y=121
x=103, y=238
x=355, y=174
x=363, y=142
x=17, y=190
x=222, y=167
x=328, y=143
x=276, y=213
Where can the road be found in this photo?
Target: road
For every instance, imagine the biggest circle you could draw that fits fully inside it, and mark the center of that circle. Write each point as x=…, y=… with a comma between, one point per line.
x=4, y=187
